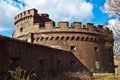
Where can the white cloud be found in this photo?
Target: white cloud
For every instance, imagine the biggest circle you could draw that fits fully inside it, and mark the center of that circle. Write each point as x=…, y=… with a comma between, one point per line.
x=7, y=11
x=59, y=10
x=63, y=9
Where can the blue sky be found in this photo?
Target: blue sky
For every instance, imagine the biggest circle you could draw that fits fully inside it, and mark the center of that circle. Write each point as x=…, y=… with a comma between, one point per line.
x=59, y=10
x=99, y=16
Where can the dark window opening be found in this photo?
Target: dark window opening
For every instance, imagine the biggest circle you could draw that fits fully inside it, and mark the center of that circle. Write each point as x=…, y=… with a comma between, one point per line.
x=37, y=39
x=21, y=29
x=41, y=61
x=95, y=39
x=51, y=38
x=59, y=62
x=42, y=38
x=73, y=63
x=14, y=62
x=67, y=38
x=91, y=39
x=57, y=38
x=47, y=38
x=73, y=38
x=62, y=38
x=82, y=38
x=96, y=49
x=99, y=39
x=73, y=48
x=86, y=39
x=77, y=38
x=28, y=12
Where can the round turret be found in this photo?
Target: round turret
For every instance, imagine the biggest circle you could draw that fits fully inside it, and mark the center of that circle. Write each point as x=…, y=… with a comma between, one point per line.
x=86, y=42
x=25, y=22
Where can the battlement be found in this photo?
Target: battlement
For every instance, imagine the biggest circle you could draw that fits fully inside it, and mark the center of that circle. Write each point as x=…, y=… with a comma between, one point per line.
x=28, y=14
x=30, y=21
x=75, y=26
x=44, y=15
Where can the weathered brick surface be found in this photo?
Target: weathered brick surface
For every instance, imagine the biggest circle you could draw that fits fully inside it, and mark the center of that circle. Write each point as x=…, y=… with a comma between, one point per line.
x=45, y=62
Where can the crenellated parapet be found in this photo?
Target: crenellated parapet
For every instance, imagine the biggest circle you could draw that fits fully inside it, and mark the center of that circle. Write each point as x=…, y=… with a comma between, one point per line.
x=75, y=27
x=30, y=21
x=25, y=15
x=28, y=14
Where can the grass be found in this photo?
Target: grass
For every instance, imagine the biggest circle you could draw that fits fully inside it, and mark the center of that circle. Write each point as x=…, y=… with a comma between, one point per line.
x=106, y=77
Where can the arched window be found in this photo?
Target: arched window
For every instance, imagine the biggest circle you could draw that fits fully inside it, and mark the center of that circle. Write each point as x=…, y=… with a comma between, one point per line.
x=72, y=38
x=91, y=39
x=51, y=38
x=82, y=38
x=67, y=38
x=62, y=38
x=95, y=39
x=46, y=38
x=78, y=38
x=99, y=39
x=57, y=37
x=86, y=39
x=28, y=11
x=37, y=39
x=42, y=38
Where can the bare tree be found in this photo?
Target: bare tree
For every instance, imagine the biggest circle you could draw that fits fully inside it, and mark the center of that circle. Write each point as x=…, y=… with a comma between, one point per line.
x=112, y=7
x=116, y=32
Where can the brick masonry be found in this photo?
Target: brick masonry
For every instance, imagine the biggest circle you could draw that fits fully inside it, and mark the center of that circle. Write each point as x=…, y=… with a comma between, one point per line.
x=37, y=41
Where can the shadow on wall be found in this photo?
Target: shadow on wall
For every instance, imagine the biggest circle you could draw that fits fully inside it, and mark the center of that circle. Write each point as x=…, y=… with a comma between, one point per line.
x=76, y=71
x=47, y=63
